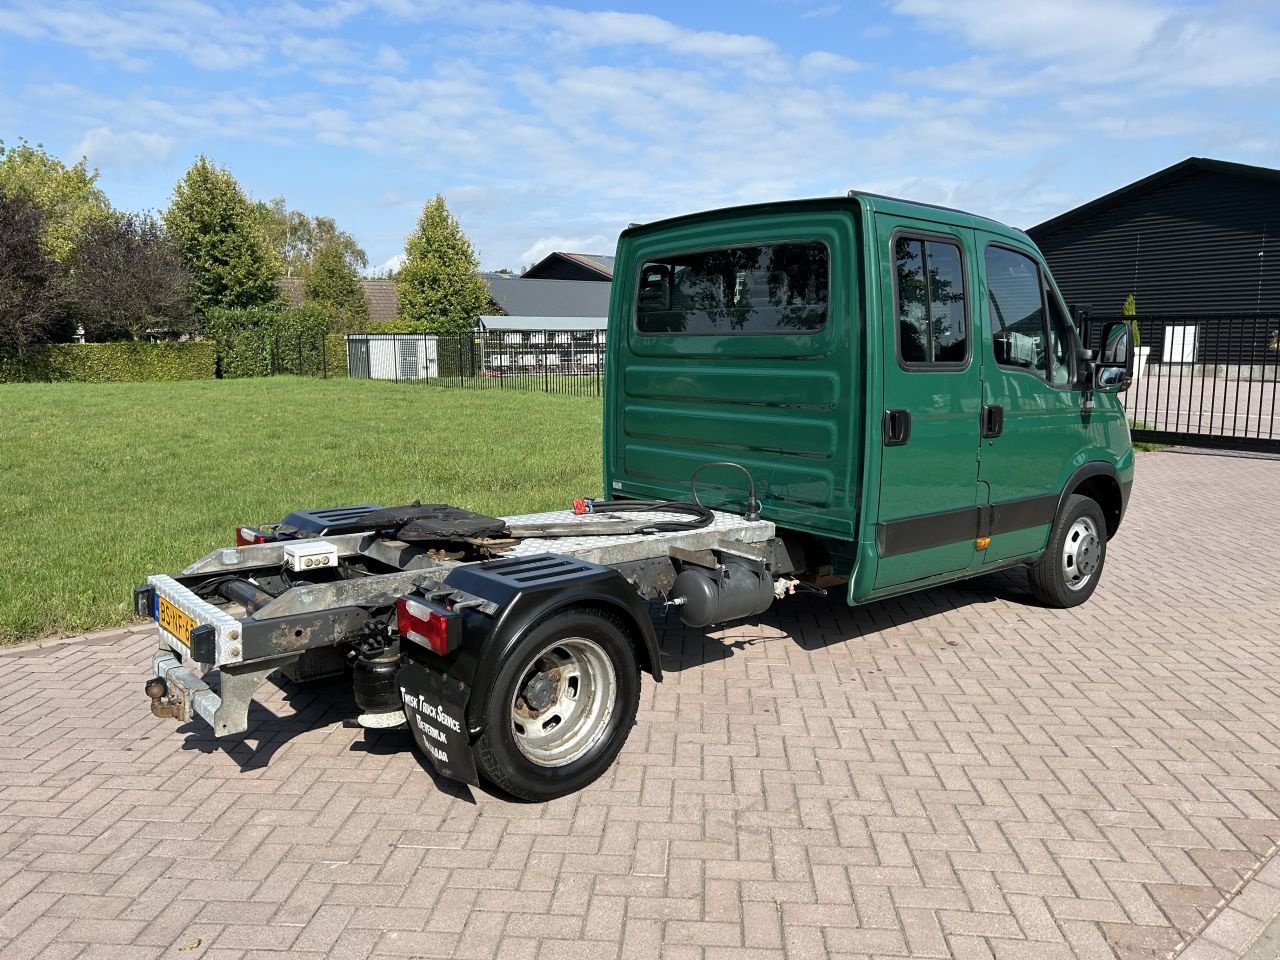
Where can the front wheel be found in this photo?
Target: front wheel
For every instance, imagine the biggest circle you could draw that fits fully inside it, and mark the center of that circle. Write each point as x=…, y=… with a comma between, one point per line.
x=1069, y=571
x=561, y=706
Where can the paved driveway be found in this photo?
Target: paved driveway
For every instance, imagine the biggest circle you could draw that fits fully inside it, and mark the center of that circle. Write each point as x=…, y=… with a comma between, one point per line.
x=959, y=773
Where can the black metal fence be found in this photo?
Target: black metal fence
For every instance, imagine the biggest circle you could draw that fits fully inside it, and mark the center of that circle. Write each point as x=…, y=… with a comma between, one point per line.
x=303, y=356
x=1209, y=380
x=550, y=361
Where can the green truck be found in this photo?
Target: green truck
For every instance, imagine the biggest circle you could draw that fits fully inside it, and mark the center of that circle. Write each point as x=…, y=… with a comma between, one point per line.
x=856, y=393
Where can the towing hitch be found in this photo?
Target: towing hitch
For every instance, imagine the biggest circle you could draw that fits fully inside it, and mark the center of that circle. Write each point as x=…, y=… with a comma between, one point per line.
x=163, y=705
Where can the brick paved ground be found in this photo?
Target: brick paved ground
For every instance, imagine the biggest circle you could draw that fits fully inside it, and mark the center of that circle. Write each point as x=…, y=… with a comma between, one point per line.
x=955, y=774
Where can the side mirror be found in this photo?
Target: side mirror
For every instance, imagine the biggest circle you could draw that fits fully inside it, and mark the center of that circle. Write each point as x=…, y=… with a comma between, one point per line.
x=1113, y=371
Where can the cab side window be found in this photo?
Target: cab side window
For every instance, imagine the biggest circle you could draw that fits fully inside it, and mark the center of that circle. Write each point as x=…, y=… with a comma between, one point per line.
x=1029, y=325
x=933, y=328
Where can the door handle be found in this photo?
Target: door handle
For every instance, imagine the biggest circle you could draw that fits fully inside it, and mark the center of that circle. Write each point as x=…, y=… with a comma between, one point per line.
x=897, y=427
x=992, y=420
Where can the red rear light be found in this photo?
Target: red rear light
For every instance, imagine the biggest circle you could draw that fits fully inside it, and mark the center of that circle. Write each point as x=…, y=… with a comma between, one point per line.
x=247, y=536
x=420, y=624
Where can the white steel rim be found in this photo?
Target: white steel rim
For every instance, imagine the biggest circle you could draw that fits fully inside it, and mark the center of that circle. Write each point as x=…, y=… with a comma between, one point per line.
x=562, y=705
x=1081, y=553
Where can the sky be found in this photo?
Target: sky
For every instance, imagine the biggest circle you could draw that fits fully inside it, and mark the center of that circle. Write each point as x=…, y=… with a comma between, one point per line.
x=552, y=126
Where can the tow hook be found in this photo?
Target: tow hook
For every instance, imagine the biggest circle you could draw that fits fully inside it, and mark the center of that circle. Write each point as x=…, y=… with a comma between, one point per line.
x=162, y=705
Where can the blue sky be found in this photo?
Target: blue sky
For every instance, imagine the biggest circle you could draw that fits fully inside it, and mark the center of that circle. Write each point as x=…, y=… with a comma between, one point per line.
x=552, y=126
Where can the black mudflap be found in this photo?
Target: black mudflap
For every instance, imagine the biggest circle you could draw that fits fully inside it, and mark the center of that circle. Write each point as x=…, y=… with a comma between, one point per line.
x=436, y=708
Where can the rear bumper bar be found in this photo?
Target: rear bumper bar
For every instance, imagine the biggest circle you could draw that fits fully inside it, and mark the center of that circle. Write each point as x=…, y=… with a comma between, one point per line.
x=186, y=696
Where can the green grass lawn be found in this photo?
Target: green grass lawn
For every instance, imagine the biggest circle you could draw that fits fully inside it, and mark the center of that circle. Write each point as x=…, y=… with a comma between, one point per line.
x=102, y=484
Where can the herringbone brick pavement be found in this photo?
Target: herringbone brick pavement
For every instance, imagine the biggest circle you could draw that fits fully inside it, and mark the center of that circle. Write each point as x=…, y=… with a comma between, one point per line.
x=958, y=773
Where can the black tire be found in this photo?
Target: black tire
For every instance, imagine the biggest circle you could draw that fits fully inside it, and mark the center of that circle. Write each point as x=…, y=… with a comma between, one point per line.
x=505, y=756
x=1069, y=571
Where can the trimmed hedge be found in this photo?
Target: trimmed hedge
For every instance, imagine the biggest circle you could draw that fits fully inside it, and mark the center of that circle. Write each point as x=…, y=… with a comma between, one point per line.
x=127, y=362
x=335, y=348
x=261, y=341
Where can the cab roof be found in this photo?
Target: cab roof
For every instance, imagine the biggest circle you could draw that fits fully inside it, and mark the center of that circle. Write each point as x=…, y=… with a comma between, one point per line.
x=853, y=200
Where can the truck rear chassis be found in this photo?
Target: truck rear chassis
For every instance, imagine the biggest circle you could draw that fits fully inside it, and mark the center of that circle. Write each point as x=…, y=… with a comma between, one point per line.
x=241, y=612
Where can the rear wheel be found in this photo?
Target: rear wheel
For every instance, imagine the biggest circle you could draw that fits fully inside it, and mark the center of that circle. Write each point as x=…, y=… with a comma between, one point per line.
x=1069, y=571
x=561, y=706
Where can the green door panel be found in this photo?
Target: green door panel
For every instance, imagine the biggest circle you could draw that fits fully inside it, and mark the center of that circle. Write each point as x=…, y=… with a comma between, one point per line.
x=1046, y=426
x=927, y=521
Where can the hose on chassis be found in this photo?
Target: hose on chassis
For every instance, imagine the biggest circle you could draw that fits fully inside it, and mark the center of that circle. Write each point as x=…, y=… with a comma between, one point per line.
x=699, y=516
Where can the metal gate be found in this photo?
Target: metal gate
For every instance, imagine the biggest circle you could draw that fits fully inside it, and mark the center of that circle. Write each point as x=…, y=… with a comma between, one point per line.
x=1211, y=380
x=358, y=358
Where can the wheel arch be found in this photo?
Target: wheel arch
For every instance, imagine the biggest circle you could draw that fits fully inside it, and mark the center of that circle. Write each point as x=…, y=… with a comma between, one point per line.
x=1100, y=482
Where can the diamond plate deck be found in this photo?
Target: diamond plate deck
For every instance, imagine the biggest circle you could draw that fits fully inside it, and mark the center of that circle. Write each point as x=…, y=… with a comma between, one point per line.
x=623, y=548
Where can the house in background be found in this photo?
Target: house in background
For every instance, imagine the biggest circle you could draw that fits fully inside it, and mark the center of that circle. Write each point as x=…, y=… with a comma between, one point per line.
x=572, y=266
x=1198, y=246
x=514, y=296
x=379, y=294
x=523, y=297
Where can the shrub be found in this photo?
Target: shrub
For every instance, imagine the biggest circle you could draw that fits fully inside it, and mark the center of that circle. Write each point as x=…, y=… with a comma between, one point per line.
x=112, y=363
x=335, y=348
x=260, y=341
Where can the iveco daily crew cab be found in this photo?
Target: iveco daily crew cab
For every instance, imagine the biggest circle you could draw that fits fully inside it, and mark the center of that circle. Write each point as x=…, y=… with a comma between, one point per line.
x=855, y=392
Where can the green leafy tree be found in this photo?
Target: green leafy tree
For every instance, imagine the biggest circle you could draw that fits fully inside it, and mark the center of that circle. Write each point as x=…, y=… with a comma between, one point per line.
x=126, y=279
x=28, y=275
x=68, y=197
x=298, y=238
x=1130, y=309
x=221, y=239
x=333, y=285
x=440, y=284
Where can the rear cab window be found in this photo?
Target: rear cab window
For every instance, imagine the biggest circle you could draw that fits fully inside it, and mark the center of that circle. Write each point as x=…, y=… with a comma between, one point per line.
x=761, y=289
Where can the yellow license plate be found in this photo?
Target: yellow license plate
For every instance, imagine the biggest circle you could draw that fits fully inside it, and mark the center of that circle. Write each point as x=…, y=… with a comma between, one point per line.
x=174, y=620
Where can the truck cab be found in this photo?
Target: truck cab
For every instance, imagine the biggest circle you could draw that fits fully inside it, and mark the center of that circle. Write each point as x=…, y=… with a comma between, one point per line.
x=903, y=383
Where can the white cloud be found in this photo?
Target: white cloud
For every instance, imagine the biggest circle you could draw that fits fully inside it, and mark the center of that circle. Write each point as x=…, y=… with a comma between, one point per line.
x=820, y=63
x=388, y=58
x=545, y=246
x=1145, y=49
x=389, y=266
x=829, y=10
x=129, y=151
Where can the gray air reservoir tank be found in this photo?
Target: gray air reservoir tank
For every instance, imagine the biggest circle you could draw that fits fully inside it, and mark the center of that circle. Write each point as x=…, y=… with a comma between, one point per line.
x=737, y=588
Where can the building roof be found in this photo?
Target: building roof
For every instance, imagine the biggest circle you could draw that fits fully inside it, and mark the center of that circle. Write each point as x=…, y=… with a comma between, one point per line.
x=577, y=324
x=598, y=264
x=379, y=294
x=521, y=297
x=383, y=303
x=1159, y=178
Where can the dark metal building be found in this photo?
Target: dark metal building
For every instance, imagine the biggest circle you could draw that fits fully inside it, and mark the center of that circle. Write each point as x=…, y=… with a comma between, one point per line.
x=1199, y=237
x=572, y=266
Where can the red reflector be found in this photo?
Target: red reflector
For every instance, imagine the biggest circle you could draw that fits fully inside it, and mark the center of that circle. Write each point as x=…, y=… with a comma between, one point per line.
x=421, y=624
x=247, y=536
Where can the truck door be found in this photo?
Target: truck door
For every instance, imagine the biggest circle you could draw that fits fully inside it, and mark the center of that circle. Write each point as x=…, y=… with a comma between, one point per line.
x=1034, y=421
x=931, y=397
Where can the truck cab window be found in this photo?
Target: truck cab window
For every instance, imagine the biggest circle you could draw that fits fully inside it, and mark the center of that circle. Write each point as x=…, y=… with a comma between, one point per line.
x=1061, y=341
x=930, y=303
x=1029, y=325
x=769, y=288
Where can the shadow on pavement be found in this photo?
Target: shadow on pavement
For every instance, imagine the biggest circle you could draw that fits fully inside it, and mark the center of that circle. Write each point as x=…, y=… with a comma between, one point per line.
x=798, y=618
x=316, y=705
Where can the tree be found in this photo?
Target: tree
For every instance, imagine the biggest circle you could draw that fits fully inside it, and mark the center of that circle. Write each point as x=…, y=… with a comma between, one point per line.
x=439, y=283
x=68, y=197
x=1130, y=309
x=333, y=285
x=297, y=238
x=221, y=240
x=28, y=306
x=126, y=279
